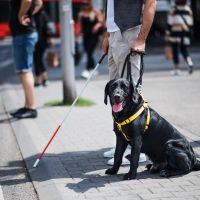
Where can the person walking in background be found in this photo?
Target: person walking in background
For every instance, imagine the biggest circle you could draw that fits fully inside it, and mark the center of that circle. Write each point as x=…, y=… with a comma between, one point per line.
x=91, y=23
x=24, y=38
x=178, y=33
x=45, y=34
x=128, y=26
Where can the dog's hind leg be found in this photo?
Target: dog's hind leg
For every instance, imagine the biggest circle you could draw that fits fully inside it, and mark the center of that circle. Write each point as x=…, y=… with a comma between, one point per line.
x=156, y=167
x=178, y=162
x=172, y=172
x=196, y=166
x=183, y=167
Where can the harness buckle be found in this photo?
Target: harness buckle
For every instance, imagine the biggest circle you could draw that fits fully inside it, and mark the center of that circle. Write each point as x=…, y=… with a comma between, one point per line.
x=119, y=126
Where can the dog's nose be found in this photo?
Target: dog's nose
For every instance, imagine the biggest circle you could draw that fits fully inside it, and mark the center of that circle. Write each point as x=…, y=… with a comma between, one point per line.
x=117, y=97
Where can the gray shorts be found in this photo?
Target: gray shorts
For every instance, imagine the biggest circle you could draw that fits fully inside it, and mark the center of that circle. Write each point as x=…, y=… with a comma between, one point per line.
x=119, y=47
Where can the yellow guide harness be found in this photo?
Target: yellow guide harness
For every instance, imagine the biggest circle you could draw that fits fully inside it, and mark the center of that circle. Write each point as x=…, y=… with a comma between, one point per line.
x=133, y=117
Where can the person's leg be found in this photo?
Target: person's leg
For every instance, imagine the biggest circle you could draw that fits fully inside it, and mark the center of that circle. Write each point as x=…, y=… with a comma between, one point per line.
x=129, y=36
x=118, y=51
x=23, y=46
x=125, y=42
x=85, y=73
x=37, y=64
x=112, y=66
x=27, y=81
x=43, y=66
x=92, y=46
x=175, y=53
x=90, y=64
x=113, y=74
x=119, y=47
x=26, y=76
x=186, y=56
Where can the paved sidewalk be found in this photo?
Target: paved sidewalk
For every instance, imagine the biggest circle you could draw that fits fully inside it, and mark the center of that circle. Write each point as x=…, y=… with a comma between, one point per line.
x=73, y=166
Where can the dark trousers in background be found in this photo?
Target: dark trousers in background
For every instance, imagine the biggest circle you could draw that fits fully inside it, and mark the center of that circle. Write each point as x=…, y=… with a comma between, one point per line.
x=176, y=47
x=38, y=58
x=90, y=43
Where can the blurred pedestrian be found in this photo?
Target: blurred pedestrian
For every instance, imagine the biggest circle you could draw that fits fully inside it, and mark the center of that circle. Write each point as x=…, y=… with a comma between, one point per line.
x=45, y=33
x=91, y=23
x=24, y=38
x=178, y=34
x=128, y=26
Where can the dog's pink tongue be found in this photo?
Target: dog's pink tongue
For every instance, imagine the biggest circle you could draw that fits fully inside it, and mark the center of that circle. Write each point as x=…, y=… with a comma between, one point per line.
x=117, y=107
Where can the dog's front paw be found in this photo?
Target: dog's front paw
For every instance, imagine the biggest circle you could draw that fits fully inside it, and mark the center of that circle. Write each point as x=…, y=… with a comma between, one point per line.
x=164, y=173
x=129, y=176
x=111, y=171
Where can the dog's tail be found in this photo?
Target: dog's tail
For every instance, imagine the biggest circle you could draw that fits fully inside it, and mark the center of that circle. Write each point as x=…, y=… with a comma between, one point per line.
x=196, y=166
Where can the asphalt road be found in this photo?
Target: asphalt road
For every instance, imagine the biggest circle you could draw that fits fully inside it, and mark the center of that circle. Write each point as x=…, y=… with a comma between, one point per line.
x=154, y=61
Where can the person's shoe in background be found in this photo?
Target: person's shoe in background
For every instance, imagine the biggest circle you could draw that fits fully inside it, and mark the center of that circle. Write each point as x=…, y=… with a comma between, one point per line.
x=126, y=159
x=25, y=113
x=190, y=69
x=45, y=82
x=95, y=73
x=85, y=74
x=37, y=85
x=109, y=153
x=175, y=72
x=142, y=158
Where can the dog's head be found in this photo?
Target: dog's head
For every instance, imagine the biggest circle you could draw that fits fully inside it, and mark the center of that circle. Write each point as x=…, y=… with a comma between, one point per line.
x=122, y=93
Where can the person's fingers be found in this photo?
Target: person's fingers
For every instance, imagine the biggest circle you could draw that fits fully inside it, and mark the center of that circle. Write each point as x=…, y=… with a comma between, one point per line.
x=137, y=50
x=105, y=46
x=24, y=20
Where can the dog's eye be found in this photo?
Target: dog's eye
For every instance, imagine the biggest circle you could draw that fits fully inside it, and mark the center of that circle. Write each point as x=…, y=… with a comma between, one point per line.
x=123, y=86
x=112, y=86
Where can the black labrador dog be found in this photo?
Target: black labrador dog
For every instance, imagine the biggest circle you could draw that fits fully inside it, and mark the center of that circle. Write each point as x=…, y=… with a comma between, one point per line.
x=147, y=132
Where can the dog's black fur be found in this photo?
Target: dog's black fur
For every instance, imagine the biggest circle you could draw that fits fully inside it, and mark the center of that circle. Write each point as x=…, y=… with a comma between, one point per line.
x=169, y=151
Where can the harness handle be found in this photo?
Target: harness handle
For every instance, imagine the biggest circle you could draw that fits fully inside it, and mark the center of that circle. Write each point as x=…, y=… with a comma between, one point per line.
x=128, y=64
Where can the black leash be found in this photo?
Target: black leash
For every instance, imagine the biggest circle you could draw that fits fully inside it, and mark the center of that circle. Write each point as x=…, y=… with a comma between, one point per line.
x=127, y=64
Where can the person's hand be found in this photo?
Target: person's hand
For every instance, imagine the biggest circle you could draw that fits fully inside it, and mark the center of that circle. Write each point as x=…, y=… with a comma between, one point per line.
x=24, y=20
x=50, y=42
x=138, y=45
x=166, y=38
x=96, y=28
x=105, y=43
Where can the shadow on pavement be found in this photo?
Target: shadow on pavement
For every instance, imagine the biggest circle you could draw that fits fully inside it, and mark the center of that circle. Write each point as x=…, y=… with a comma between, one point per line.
x=96, y=181
x=8, y=120
x=13, y=174
x=82, y=170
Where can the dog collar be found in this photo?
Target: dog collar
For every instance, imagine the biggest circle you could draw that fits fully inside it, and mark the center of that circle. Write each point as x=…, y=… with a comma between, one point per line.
x=133, y=117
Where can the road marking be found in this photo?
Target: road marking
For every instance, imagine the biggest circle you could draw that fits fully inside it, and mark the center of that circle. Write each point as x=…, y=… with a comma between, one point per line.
x=6, y=63
x=1, y=194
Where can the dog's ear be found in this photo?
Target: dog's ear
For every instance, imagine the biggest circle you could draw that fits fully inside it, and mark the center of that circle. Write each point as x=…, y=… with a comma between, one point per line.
x=134, y=92
x=106, y=92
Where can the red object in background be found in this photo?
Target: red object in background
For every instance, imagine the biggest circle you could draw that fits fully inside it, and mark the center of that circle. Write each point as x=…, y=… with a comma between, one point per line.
x=4, y=15
x=52, y=10
x=4, y=30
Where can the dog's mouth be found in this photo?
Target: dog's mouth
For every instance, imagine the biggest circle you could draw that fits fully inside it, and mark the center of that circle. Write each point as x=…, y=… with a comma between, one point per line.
x=117, y=107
